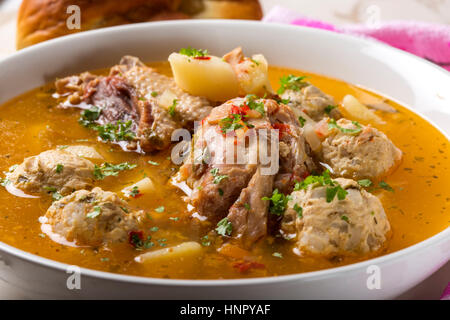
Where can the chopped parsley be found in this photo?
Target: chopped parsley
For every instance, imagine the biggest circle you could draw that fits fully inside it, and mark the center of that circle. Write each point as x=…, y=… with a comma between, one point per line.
x=89, y=116
x=224, y=227
x=59, y=168
x=154, y=229
x=205, y=241
x=345, y=218
x=107, y=169
x=329, y=108
x=385, y=186
x=332, y=190
x=136, y=239
x=220, y=192
x=302, y=121
x=160, y=209
x=247, y=206
x=250, y=101
x=171, y=109
x=191, y=52
x=332, y=124
x=217, y=177
x=54, y=192
x=365, y=182
x=4, y=182
x=278, y=202
x=277, y=255
x=56, y=196
x=154, y=94
x=231, y=123
x=119, y=131
x=254, y=61
x=95, y=212
x=291, y=82
x=331, y=193
x=125, y=210
x=299, y=210
x=134, y=192
x=153, y=163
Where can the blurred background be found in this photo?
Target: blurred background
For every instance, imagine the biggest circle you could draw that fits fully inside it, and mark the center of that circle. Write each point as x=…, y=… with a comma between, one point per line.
x=340, y=13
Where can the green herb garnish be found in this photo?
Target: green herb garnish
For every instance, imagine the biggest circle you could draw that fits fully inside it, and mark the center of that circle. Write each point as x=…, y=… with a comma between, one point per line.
x=191, y=52
x=278, y=202
x=160, y=209
x=217, y=177
x=299, y=210
x=365, y=182
x=107, y=169
x=224, y=227
x=385, y=186
x=302, y=121
x=329, y=108
x=95, y=212
x=171, y=109
x=291, y=82
x=59, y=168
x=332, y=124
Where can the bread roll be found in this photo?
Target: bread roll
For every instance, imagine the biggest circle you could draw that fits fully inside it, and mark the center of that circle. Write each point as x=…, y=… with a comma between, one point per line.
x=41, y=20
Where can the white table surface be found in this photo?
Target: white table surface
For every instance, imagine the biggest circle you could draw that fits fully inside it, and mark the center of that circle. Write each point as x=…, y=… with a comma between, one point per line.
x=334, y=11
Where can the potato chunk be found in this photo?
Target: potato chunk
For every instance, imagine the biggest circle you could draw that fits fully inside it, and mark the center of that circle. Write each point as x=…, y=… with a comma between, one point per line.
x=212, y=78
x=357, y=111
x=184, y=250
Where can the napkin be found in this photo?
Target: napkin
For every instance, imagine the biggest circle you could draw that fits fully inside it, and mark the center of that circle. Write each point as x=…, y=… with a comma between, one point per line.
x=427, y=40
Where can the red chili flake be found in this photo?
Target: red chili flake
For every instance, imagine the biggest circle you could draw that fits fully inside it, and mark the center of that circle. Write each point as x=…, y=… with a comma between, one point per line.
x=240, y=110
x=202, y=58
x=135, y=238
x=282, y=127
x=247, y=265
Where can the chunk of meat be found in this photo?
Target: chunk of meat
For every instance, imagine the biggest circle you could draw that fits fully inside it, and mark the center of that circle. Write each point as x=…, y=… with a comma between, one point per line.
x=367, y=153
x=53, y=170
x=248, y=215
x=134, y=92
x=355, y=225
x=312, y=101
x=227, y=170
x=93, y=218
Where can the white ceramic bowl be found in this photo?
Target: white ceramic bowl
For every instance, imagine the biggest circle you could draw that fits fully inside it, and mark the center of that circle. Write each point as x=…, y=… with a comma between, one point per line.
x=414, y=82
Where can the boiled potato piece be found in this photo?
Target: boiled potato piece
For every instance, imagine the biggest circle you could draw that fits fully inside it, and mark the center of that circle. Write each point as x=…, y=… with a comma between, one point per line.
x=357, y=111
x=185, y=250
x=253, y=76
x=166, y=99
x=212, y=78
x=143, y=186
x=84, y=152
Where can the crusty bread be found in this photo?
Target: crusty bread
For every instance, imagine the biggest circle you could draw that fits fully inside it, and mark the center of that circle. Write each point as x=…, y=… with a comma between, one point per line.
x=40, y=20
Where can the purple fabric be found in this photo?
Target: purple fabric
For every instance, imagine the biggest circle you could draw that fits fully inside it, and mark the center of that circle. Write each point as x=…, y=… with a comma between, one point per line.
x=446, y=294
x=426, y=40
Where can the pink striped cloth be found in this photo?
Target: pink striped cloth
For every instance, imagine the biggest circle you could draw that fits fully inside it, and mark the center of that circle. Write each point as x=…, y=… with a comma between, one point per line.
x=446, y=294
x=426, y=40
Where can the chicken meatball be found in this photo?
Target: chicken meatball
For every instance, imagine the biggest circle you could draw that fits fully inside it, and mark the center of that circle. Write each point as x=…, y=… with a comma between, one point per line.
x=312, y=101
x=356, y=224
x=356, y=151
x=92, y=218
x=53, y=170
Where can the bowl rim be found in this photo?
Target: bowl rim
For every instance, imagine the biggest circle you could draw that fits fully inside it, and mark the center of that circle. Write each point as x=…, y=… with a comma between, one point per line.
x=436, y=239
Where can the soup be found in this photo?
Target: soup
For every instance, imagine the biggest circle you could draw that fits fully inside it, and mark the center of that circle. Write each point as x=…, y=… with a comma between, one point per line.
x=415, y=196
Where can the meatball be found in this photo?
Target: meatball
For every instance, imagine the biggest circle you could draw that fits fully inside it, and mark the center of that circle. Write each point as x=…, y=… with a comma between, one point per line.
x=312, y=101
x=354, y=225
x=356, y=151
x=92, y=218
x=53, y=170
